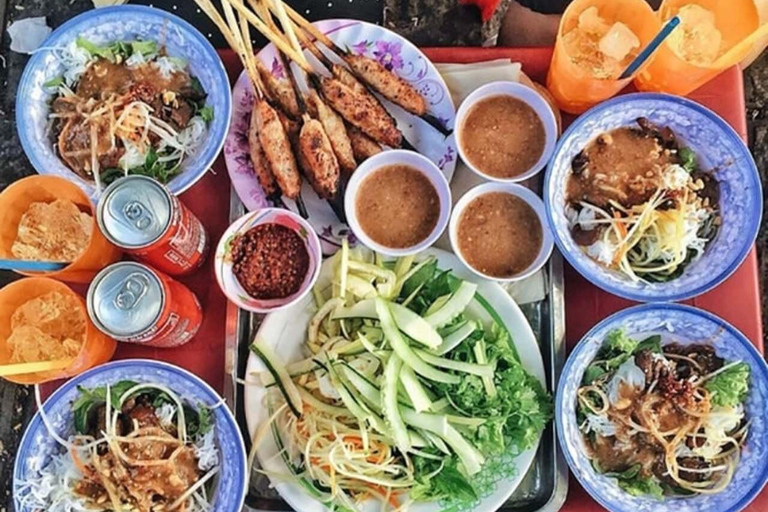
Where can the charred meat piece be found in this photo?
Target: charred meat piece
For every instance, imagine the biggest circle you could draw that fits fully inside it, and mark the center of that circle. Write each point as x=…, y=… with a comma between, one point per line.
x=388, y=84
x=322, y=166
x=259, y=161
x=363, y=146
x=360, y=111
x=337, y=134
x=279, y=91
x=703, y=355
x=277, y=149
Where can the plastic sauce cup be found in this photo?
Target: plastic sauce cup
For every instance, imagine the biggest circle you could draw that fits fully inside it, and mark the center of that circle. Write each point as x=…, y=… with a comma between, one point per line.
x=96, y=349
x=16, y=199
x=667, y=72
x=575, y=89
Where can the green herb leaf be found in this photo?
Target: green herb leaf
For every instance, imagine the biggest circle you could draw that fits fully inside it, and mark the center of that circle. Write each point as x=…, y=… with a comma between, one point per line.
x=642, y=487
x=144, y=47
x=54, y=82
x=206, y=113
x=652, y=343
x=120, y=50
x=418, y=279
x=90, y=399
x=95, y=50
x=448, y=484
x=729, y=388
x=592, y=373
x=687, y=159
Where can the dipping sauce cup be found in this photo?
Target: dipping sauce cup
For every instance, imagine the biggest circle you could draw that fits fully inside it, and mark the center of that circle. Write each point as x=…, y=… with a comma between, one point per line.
x=575, y=87
x=529, y=97
x=395, y=201
x=95, y=350
x=15, y=201
x=520, y=192
x=669, y=72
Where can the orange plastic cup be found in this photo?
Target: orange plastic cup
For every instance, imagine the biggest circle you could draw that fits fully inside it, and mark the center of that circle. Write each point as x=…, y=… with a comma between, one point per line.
x=14, y=202
x=97, y=349
x=576, y=89
x=666, y=72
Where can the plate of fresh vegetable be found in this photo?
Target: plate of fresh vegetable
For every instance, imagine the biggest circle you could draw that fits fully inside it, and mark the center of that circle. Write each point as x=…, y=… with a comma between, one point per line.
x=398, y=383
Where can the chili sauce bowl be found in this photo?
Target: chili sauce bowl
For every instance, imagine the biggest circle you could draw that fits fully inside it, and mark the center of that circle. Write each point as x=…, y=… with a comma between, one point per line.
x=398, y=158
x=521, y=192
x=527, y=95
x=229, y=283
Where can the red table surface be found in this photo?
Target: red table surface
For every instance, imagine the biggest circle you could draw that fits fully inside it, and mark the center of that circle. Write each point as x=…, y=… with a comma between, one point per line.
x=737, y=300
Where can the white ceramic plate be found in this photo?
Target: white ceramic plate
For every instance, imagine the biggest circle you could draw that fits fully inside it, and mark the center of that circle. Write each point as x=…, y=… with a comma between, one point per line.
x=286, y=330
x=393, y=51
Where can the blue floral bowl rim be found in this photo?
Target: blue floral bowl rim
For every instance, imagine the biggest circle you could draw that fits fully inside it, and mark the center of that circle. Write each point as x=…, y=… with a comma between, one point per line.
x=567, y=372
x=207, y=157
x=728, y=131
x=36, y=422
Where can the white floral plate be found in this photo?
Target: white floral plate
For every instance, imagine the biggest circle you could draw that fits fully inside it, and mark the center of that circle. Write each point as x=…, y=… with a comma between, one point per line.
x=393, y=51
x=286, y=331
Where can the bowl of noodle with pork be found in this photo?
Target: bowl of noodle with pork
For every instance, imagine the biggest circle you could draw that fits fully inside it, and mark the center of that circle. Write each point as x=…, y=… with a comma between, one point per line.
x=136, y=435
x=663, y=407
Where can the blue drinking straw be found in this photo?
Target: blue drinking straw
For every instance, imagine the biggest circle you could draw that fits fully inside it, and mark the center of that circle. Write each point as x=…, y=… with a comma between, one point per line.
x=31, y=266
x=651, y=48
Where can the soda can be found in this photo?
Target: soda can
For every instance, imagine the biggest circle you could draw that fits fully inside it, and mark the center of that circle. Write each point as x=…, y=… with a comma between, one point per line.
x=134, y=303
x=142, y=217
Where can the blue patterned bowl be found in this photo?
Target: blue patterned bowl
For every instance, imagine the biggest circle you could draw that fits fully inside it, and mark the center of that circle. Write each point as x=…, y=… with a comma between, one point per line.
x=682, y=324
x=118, y=23
x=37, y=445
x=717, y=145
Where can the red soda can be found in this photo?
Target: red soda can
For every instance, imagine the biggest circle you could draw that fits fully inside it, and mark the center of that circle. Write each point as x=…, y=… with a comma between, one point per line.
x=142, y=217
x=135, y=303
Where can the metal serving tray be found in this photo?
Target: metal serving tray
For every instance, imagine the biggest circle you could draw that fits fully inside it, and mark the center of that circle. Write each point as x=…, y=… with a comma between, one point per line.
x=545, y=486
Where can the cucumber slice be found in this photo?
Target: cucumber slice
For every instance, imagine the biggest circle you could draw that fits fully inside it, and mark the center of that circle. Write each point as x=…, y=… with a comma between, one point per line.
x=404, y=351
x=454, y=306
x=390, y=405
x=281, y=376
x=416, y=392
x=363, y=309
x=481, y=370
x=415, y=326
x=454, y=339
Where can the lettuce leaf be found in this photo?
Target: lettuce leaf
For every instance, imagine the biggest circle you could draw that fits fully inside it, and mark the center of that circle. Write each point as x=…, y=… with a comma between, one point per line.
x=449, y=483
x=730, y=387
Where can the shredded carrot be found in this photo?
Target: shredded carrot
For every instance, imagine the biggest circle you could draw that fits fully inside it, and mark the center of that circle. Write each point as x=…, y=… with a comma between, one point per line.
x=620, y=225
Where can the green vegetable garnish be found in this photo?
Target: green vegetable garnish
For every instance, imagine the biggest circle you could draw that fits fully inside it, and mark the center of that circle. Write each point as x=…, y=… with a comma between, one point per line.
x=144, y=47
x=729, y=388
x=206, y=113
x=90, y=399
x=95, y=50
x=54, y=82
x=687, y=159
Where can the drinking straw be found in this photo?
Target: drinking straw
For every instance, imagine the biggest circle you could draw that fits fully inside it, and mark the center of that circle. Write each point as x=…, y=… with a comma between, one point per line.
x=39, y=366
x=735, y=53
x=31, y=266
x=651, y=48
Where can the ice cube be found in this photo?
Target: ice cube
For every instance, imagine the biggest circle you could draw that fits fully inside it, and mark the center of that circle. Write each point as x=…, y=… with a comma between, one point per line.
x=591, y=22
x=697, y=40
x=618, y=42
x=28, y=34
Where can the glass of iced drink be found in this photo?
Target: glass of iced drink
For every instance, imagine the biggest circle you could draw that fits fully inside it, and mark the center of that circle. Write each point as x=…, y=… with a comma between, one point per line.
x=596, y=41
x=689, y=56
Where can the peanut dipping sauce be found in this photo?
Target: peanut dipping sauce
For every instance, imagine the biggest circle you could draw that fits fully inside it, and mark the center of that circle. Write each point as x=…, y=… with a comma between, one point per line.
x=397, y=206
x=499, y=234
x=503, y=136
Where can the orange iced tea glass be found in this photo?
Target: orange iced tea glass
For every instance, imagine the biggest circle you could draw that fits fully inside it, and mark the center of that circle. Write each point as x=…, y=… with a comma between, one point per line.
x=668, y=72
x=577, y=88
x=96, y=349
x=14, y=202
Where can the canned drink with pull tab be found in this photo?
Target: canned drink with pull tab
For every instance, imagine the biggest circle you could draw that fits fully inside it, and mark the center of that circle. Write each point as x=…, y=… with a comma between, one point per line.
x=135, y=303
x=139, y=215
